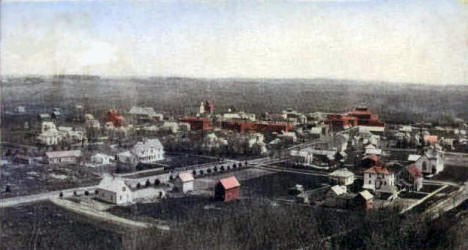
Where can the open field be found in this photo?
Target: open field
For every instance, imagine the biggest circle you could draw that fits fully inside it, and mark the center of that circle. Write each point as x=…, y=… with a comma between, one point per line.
x=45, y=226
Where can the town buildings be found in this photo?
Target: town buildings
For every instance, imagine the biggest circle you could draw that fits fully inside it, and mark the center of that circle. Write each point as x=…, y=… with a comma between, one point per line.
x=206, y=107
x=198, y=123
x=360, y=116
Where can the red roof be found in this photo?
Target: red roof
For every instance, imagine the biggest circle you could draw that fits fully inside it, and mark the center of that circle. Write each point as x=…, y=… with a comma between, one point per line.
x=378, y=170
x=373, y=158
x=414, y=171
x=230, y=182
x=430, y=139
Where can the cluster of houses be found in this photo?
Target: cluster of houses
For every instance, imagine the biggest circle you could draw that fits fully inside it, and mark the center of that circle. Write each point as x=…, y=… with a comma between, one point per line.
x=50, y=135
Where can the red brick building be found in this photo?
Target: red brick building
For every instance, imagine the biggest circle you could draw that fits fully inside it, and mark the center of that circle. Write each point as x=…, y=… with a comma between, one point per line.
x=360, y=116
x=116, y=119
x=227, y=189
x=197, y=123
x=365, y=117
x=252, y=127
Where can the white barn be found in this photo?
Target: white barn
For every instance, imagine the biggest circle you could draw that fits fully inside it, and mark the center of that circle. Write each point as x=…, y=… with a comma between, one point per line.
x=114, y=190
x=184, y=182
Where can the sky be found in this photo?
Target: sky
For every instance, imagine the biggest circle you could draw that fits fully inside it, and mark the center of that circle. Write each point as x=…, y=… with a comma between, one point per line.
x=373, y=40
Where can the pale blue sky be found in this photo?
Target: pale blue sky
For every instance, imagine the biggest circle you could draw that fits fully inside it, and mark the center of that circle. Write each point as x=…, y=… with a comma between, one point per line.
x=405, y=41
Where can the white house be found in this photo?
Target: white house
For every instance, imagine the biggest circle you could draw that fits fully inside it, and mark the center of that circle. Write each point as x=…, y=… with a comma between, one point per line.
x=342, y=177
x=49, y=134
x=146, y=151
x=114, y=190
x=63, y=157
x=379, y=179
x=101, y=159
x=184, y=182
x=431, y=162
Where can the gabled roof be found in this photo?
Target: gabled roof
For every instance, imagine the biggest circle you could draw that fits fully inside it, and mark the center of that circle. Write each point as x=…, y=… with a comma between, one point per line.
x=341, y=173
x=413, y=157
x=60, y=154
x=366, y=195
x=338, y=190
x=229, y=183
x=186, y=177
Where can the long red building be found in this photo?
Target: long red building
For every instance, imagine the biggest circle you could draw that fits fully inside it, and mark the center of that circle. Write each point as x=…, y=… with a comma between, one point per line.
x=197, y=123
x=360, y=116
x=252, y=127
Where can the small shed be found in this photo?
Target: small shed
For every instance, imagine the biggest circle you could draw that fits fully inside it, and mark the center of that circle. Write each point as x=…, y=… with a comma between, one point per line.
x=364, y=200
x=184, y=182
x=227, y=189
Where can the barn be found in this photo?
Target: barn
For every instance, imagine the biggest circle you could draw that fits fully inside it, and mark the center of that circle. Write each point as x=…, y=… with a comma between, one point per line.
x=227, y=189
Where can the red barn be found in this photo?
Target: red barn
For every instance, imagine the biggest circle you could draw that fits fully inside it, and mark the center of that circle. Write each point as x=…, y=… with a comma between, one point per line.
x=227, y=189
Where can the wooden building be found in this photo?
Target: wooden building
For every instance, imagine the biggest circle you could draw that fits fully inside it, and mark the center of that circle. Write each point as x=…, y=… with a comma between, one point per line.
x=227, y=189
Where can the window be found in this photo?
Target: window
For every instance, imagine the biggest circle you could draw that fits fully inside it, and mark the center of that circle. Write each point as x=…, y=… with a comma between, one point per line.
x=120, y=197
x=370, y=182
x=123, y=189
x=369, y=175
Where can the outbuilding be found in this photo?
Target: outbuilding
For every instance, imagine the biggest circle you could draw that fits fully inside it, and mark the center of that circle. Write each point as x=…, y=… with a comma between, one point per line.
x=114, y=190
x=227, y=189
x=101, y=159
x=60, y=157
x=342, y=177
x=184, y=182
x=364, y=200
